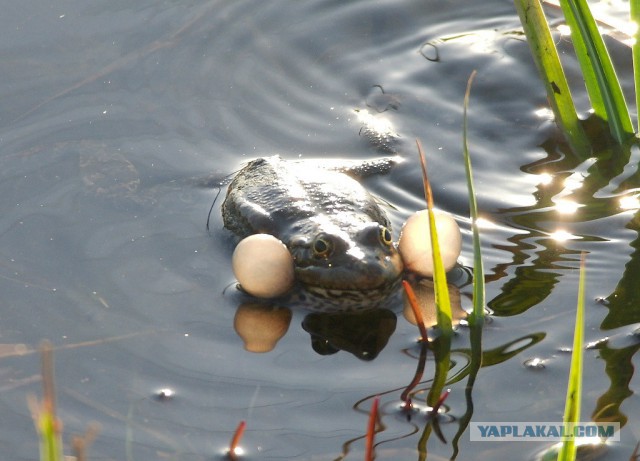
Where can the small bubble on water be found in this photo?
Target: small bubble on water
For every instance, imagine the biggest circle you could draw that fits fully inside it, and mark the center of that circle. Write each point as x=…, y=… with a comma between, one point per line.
x=165, y=394
x=534, y=363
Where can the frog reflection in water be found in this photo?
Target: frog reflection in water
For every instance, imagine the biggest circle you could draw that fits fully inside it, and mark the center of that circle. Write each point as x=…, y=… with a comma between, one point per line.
x=362, y=333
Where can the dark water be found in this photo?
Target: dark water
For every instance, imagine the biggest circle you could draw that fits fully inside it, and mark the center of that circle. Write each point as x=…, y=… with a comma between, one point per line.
x=114, y=115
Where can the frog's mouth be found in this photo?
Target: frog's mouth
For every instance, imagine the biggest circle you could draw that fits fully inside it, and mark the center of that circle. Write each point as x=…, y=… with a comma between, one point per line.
x=346, y=273
x=364, y=283
x=331, y=299
x=354, y=294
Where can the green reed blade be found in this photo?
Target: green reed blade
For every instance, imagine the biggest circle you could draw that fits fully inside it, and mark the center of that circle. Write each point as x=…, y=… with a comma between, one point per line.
x=599, y=75
x=477, y=315
x=546, y=58
x=443, y=304
x=476, y=318
x=574, y=388
x=635, y=49
x=582, y=44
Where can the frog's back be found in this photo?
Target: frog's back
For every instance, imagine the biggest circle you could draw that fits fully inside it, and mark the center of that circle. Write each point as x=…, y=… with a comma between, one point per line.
x=271, y=195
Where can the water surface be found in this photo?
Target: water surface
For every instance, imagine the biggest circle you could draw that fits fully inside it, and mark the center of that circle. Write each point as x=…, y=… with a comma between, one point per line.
x=114, y=116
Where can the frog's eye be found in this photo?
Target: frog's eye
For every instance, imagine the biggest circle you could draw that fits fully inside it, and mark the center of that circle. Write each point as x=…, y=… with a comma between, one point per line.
x=385, y=236
x=322, y=247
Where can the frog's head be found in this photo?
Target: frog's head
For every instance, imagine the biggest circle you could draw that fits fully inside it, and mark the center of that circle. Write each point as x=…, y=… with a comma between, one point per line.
x=336, y=262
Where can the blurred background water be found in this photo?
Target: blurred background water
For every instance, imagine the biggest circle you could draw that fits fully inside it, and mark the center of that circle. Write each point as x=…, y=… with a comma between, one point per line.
x=117, y=121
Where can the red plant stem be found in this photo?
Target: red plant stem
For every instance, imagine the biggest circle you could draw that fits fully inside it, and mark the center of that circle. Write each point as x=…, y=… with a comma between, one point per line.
x=371, y=429
x=413, y=302
x=416, y=378
x=235, y=441
x=443, y=397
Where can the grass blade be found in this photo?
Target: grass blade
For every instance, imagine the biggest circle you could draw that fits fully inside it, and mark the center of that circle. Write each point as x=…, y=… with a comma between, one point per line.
x=580, y=37
x=546, y=58
x=477, y=316
x=599, y=75
x=574, y=388
x=635, y=49
x=443, y=304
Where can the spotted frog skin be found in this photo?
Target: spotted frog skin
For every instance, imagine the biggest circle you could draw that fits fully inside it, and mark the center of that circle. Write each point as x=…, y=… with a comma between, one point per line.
x=338, y=235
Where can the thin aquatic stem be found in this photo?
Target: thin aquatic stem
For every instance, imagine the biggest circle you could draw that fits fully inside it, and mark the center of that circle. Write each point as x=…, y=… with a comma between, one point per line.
x=422, y=360
x=436, y=407
x=371, y=429
x=477, y=316
x=235, y=441
x=413, y=302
